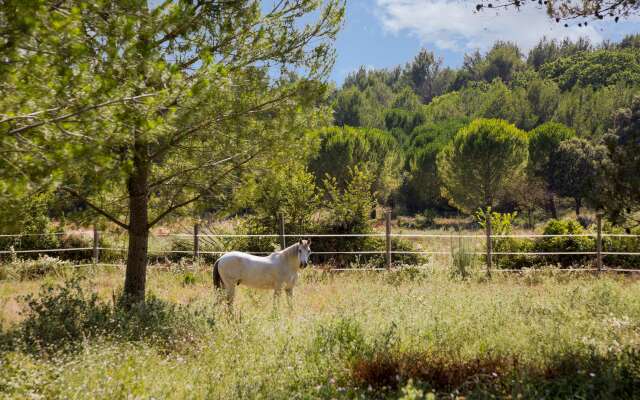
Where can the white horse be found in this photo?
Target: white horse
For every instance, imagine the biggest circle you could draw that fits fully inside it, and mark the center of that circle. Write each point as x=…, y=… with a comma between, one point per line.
x=277, y=271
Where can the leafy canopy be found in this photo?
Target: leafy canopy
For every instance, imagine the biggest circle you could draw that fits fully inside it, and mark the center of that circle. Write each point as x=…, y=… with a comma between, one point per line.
x=481, y=162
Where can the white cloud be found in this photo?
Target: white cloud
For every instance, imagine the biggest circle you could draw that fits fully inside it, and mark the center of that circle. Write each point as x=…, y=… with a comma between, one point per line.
x=453, y=25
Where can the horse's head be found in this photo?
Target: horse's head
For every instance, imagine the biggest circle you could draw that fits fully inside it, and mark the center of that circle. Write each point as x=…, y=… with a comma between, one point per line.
x=304, y=251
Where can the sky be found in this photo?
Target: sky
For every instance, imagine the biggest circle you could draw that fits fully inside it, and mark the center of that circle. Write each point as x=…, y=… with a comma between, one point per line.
x=386, y=33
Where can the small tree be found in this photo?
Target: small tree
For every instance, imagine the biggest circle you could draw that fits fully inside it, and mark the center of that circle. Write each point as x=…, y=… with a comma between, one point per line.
x=481, y=162
x=289, y=193
x=623, y=142
x=577, y=171
x=140, y=108
x=543, y=143
x=421, y=189
x=339, y=150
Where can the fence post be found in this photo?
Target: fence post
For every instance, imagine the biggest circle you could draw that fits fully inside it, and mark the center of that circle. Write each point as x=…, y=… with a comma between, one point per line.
x=489, y=241
x=96, y=243
x=599, y=241
x=388, y=237
x=283, y=240
x=196, y=242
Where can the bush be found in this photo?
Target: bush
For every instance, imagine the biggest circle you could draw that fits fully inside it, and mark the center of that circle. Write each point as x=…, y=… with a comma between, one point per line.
x=620, y=245
x=20, y=269
x=565, y=244
x=514, y=261
x=61, y=317
x=32, y=221
x=75, y=241
x=342, y=338
x=502, y=224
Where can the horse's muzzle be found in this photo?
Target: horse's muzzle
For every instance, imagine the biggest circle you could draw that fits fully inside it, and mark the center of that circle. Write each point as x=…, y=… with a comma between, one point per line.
x=303, y=264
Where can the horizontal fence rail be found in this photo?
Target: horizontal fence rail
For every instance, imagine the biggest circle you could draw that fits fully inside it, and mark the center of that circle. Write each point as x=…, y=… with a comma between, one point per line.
x=197, y=251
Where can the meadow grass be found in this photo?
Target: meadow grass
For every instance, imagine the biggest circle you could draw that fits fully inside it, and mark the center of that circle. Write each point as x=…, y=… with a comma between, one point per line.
x=410, y=333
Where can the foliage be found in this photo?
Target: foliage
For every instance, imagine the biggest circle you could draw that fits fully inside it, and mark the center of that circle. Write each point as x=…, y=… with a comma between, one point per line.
x=623, y=144
x=596, y=68
x=565, y=244
x=546, y=50
x=31, y=220
x=289, y=193
x=481, y=162
x=61, y=317
x=340, y=150
x=348, y=211
x=570, y=10
x=21, y=269
x=348, y=109
x=503, y=61
x=502, y=224
x=463, y=258
x=577, y=170
x=421, y=189
x=620, y=244
x=543, y=143
x=404, y=120
x=426, y=76
x=150, y=114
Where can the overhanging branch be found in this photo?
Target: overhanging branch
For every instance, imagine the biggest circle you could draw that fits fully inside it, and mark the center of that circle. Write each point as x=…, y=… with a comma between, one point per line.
x=174, y=207
x=66, y=116
x=96, y=208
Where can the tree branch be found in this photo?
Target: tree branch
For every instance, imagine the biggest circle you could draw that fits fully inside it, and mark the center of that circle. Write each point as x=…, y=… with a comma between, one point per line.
x=96, y=208
x=68, y=115
x=172, y=208
x=160, y=181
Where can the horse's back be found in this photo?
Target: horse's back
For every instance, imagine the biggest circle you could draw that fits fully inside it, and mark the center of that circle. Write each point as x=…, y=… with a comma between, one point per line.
x=237, y=267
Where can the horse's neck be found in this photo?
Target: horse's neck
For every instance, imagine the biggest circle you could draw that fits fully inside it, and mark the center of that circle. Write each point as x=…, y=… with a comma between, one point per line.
x=290, y=255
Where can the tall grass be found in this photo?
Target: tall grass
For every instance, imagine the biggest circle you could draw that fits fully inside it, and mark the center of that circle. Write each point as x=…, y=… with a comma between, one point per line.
x=463, y=258
x=352, y=335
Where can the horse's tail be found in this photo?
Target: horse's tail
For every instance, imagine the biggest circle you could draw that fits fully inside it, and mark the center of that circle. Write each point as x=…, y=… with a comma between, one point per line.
x=217, y=281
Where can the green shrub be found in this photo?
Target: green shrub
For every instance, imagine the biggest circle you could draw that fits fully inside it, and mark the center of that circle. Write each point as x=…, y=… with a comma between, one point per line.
x=342, y=338
x=32, y=221
x=620, y=245
x=74, y=241
x=61, y=317
x=406, y=274
x=502, y=224
x=565, y=244
x=514, y=261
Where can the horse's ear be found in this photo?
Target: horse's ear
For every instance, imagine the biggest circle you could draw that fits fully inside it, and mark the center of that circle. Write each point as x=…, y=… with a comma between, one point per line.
x=300, y=241
x=308, y=242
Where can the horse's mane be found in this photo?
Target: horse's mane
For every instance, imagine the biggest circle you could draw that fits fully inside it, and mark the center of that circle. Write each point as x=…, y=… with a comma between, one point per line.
x=288, y=250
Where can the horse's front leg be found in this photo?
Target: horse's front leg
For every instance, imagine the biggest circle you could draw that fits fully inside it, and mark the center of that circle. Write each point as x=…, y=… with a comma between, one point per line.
x=276, y=297
x=289, y=293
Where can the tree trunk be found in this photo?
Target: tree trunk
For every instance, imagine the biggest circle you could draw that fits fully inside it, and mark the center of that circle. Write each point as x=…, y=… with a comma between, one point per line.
x=578, y=206
x=552, y=206
x=136, y=275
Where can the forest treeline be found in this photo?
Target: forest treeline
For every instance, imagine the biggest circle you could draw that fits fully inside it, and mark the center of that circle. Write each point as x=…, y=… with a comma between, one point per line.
x=564, y=96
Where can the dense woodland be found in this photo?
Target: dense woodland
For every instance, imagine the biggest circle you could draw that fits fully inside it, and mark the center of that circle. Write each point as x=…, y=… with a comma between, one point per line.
x=572, y=100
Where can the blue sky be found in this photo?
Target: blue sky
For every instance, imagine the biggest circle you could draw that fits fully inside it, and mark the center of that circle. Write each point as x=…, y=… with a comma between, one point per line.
x=385, y=33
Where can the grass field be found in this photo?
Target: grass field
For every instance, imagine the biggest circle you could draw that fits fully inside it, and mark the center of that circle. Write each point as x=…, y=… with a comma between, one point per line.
x=410, y=334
